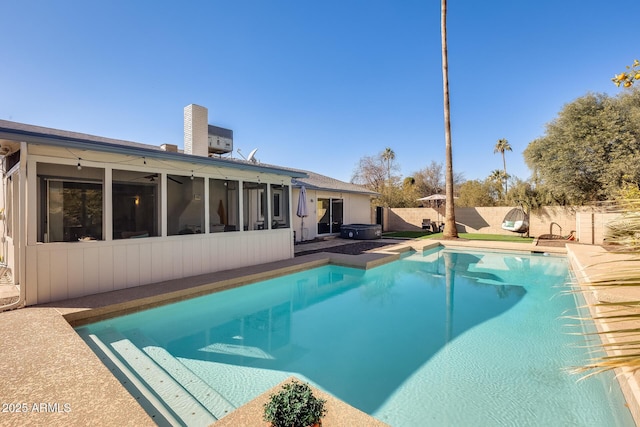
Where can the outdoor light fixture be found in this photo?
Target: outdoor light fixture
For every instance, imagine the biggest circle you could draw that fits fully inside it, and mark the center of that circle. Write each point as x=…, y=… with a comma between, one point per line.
x=79, y=165
x=191, y=175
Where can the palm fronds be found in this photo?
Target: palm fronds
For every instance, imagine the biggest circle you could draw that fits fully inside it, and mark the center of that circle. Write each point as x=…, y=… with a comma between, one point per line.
x=615, y=284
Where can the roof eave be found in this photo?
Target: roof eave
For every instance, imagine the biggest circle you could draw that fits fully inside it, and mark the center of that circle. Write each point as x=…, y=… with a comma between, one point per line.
x=338, y=190
x=85, y=144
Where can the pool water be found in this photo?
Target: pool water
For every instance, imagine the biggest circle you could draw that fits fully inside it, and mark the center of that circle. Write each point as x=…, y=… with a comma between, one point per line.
x=437, y=338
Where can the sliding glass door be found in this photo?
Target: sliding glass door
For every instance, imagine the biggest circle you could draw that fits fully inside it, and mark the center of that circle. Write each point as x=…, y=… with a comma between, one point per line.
x=330, y=215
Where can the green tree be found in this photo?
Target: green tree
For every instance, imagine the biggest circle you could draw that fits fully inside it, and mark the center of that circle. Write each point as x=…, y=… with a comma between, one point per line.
x=450, y=230
x=475, y=193
x=501, y=146
x=498, y=178
x=622, y=352
x=523, y=193
x=628, y=191
x=588, y=149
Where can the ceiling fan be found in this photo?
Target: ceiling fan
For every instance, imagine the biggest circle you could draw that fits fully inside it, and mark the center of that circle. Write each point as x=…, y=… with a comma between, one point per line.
x=153, y=177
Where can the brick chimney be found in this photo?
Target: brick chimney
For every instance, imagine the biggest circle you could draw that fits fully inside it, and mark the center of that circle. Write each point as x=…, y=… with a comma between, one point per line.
x=196, y=130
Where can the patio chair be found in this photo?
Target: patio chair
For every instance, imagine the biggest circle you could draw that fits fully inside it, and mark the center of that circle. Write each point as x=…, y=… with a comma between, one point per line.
x=427, y=224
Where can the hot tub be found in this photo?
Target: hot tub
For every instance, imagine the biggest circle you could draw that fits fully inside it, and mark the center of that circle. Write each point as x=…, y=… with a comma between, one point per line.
x=361, y=231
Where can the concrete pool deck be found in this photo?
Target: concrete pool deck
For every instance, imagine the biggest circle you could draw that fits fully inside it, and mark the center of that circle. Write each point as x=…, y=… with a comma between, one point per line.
x=51, y=377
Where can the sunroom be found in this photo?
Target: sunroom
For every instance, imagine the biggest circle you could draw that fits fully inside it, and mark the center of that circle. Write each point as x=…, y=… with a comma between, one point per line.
x=86, y=214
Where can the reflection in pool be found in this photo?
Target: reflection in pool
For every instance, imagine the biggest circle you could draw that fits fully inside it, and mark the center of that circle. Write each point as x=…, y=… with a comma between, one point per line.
x=459, y=337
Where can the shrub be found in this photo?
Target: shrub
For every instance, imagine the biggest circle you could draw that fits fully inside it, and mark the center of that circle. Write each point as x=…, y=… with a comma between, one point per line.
x=294, y=406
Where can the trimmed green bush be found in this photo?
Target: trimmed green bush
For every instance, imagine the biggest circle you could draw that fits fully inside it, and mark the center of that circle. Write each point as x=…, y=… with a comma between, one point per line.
x=294, y=406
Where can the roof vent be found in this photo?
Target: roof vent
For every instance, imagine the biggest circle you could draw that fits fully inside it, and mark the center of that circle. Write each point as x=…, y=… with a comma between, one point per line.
x=172, y=148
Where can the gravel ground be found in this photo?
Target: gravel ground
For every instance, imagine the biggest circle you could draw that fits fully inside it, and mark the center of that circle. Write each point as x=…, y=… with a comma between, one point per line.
x=351, y=248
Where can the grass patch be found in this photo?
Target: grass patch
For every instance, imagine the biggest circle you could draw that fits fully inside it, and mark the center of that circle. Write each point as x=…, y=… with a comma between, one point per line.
x=468, y=236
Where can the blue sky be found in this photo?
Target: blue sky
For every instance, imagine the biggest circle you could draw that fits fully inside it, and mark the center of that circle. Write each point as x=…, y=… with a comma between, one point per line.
x=313, y=84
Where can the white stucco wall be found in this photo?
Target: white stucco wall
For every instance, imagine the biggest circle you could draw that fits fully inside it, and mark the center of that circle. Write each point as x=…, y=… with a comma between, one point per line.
x=356, y=210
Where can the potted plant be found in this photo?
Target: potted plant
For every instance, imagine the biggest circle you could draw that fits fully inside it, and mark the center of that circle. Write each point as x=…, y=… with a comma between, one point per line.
x=294, y=406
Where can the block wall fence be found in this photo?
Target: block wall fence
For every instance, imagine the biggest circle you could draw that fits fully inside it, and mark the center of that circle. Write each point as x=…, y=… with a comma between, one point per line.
x=589, y=224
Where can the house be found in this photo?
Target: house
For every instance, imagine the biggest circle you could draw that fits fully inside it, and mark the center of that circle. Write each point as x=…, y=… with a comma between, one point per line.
x=84, y=214
x=331, y=203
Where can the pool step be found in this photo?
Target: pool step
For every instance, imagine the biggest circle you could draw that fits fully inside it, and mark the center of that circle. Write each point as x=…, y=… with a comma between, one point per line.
x=145, y=397
x=202, y=391
x=188, y=409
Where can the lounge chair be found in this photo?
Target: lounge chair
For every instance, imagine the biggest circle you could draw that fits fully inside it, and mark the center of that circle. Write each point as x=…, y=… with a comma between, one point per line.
x=427, y=224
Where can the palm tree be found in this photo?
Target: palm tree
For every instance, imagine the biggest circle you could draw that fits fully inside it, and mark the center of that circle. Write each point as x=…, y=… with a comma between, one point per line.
x=498, y=177
x=501, y=147
x=450, y=231
x=388, y=156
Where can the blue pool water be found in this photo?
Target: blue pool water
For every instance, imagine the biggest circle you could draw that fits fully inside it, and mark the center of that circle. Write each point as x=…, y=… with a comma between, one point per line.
x=437, y=338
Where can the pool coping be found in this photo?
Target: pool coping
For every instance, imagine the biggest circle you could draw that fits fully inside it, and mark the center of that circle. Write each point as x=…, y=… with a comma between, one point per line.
x=42, y=339
x=589, y=263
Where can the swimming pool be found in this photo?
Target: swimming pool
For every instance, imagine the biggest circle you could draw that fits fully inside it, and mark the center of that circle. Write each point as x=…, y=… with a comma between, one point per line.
x=437, y=338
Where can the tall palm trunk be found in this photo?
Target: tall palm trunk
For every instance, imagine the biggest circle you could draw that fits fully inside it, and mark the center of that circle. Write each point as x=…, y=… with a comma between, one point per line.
x=504, y=165
x=450, y=231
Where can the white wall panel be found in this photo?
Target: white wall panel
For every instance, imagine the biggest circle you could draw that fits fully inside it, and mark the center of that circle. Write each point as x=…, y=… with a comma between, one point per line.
x=133, y=266
x=167, y=261
x=58, y=274
x=157, y=263
x=145, y=264
x=75, y=272
x=42, y=273
x=187, y=258
x=176, y=258
x=119, y=267
x=106, y=269
x=65, y=270
x=91, y=269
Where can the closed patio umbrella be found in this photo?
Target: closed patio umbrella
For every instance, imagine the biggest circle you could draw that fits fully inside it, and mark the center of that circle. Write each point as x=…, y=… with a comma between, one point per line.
x=302, y=209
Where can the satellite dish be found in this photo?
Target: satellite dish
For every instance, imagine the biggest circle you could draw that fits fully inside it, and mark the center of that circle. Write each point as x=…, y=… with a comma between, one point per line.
x=252, y=156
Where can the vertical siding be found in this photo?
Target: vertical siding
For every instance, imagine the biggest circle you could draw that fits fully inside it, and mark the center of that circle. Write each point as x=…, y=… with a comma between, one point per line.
x=106, y=267
x=145, y=263
x=44, y=284
x=119, y=267
x=91, y=270
x=59, y=271
x=58, y=275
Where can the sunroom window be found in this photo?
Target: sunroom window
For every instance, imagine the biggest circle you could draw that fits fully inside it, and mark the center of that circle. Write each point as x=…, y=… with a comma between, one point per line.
x=279, y=206
x=185, y=205
x=135, y=204
x=255, y=206
x=71, y=203
x=223, y=205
